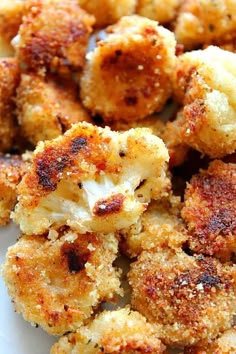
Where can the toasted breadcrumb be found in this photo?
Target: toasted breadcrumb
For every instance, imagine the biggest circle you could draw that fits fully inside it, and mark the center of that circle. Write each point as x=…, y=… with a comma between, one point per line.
x=9, y=78
x=160, y=10
x=121, y=331
x=128, y=75
x=159, y=226
x=11, y=13
x=225, y=344
x=107, y=12
x=210, y=210
x=190, y=299
x=92, y=179
x=54, y=36
x=209, y=113
x=12, y=169
x=56, y=283
x=47, y=107
x=205, y=22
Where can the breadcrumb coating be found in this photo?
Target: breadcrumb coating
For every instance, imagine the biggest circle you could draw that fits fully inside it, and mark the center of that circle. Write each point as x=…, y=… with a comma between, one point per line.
x=209, y=112
x=190, y=299
x=128, y=75
x=159, y=226
x=9, y=78
x=40, y=45
x=57, y=282
x=210, y=210
x=225, y=344
x=205, y=22
x=121, y=331
x=12, y=169
x=47, y=107
x=160, y=10
x=92, y=179
x=11, y=13
x=108, y=12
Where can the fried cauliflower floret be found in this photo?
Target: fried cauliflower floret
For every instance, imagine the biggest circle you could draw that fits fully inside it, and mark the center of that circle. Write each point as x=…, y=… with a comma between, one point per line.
x=159, y=226
x=205, y=22
x=225, y=344
x=210, y=210
x=9, y=78
x=56, y=283
x=128, y=75
x=92, y=179
x=54, y=35
x=160, y=10
x=12, y=169
x=209, y=112
x=121, y=331
x=47, y=107
x=190, y=299
x=11, y=13
x=107, y=12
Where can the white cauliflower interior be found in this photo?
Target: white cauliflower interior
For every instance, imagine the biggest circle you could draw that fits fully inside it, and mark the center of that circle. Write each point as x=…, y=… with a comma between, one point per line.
x=105, y=187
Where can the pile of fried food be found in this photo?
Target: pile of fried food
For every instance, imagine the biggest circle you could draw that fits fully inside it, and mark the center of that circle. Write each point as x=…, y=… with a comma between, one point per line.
x=90, y=170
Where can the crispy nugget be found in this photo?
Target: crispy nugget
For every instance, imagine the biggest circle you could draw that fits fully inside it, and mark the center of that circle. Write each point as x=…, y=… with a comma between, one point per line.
x=128, y=75
x=121, y=331
x=209, y=114
x=54, y=35
x=92, y=179
x=210, y=210
x=107, y=12
x=190, y=299
x=205, y=22
x=9, y=78
x=225, y=344
x=47, y=107
x=159, y=226
x=57, y=283
x=160, y=10
x=11, y=13
x=12, y=169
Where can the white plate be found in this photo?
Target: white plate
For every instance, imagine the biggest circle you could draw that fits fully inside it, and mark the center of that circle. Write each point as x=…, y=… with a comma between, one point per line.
x=16, y=335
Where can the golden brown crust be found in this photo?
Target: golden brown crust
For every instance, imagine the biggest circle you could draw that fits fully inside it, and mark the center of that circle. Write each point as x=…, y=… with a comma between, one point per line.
x=108, y=12
x=162, y=11
x=190, y=299
x=56, y=283
x=42, y=46
x=9, y=79
x=210, y=210
x=12, y=169
x=84, y=179
x=47, y=107
x=205, y=22
x=115, y=332
x=128, y=75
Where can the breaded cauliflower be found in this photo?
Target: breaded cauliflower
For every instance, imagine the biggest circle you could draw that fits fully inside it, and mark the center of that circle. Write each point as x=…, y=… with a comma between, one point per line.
x=56, y=283
x=9, y=78
x=121, y=331
x=12, y=169
x=190, y=299
x=205, y=82
x=107, y=12
x=11, y=13
x=128, y=75
x=54, y=35
x=210, y=210
x=92, y=179
x=225, y=344
x=159, y=226
x=160, y=10
x=205, y=22
x=47, y=107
